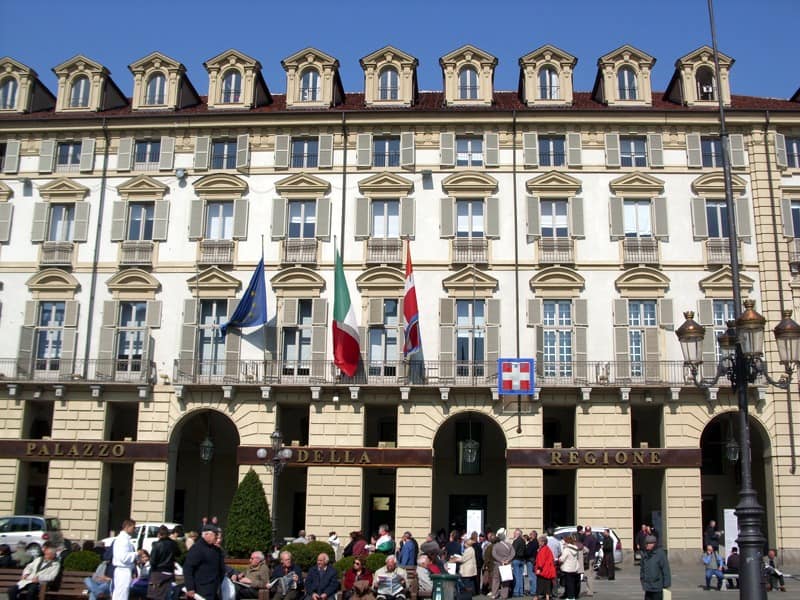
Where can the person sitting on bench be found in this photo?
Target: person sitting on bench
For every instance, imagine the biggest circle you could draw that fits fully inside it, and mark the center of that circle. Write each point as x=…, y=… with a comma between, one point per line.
x=774, y=576
x=41, y=570
x=732, y=568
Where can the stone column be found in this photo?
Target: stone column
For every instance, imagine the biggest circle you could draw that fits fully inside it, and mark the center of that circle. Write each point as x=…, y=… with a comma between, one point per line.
x=413, y=499
x=525, y=499
x=12, y=411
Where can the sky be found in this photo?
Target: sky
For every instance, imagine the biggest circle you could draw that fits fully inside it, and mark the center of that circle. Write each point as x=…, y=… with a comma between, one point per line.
x=761, y=35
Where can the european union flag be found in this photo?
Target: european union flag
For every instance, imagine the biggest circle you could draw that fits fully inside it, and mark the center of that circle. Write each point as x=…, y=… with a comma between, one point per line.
x=252, y=308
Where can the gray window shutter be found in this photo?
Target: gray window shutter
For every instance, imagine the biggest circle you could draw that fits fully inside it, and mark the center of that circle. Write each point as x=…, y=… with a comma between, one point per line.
x=612, y=150
x=154, y=310
x=188, y=348
x=621, y=352
x=202, y=151
x=160, y=220
x=289, y=312
x=574, y=150
x=233, y=342
x=166, y=159
x=31, y=316
x=47, y=156
x=616, y=217
x=196, y=207
x=87, y=155
x=655, y=150
x=580, y=356
x=447, y=225
x=364, y=149
x=25, y=352
x=243, y=152
x=81, y=231
x=240, y=213
x=108, y=334
x=743, y=229
x=534, y=312
x=492, y=217
x=781, y=158
x=375, y=312
x=447, y=338
x=362, y=226
x=660, y=222
x=492, y=333
x=447, y=149
x=665, y=313
x=652, y=354
x=530, y=149
x=278, y=218
x=41, y=211
x=110, y=313
x=447, y=311
x=69, y=340
x=408, y=217
x=282, y=151
x=694, y=153
x=705, y=312
x=699, y=218
x=6, y=211
x=576, y=215
x=125, y=154
x=11, y=163
x=71, y=310
x=326, y=150
x=620, y=312
x=407, y=151
x=786, y=215
x=539, y=355
x=491, y=149
x=534, y=228
x=119, y=213
x=736, y=141
x=580, y=315
x=324, y=219
x=319, y=312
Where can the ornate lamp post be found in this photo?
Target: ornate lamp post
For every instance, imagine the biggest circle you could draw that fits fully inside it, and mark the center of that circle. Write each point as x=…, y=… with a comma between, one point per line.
x=279, y=456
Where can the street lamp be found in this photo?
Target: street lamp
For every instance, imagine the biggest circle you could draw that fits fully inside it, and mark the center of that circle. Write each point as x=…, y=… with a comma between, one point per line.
x=279, y=456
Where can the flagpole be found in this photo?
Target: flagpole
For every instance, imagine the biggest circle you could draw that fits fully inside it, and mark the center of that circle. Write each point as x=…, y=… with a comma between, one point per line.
x=264, y=326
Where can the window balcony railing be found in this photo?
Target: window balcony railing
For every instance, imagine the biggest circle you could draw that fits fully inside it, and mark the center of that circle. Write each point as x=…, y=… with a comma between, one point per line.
x=60, y=370
x=640, y=251
x=56, y=254
x=386, y=251
x=146, y=165
x=470, y=251
x=794, y=253
x=216, y=252
x=136, y=253
x=556, y=251
x=300, y=251
x=68, y=167
x=718, y=251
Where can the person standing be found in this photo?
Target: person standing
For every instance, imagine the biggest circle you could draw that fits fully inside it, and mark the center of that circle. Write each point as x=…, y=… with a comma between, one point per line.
x=163, y=555
x=711, y=536
x=607, y=566
x=545, y=567
x=531, y=548
x=570, y=568
x=204, y=566
x=502, y=554
x=407, y=555
x=124, y=561
x=518, y=564
x=654, y=572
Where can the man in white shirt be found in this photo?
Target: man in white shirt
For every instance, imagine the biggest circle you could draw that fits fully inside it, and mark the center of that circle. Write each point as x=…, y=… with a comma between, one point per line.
x=124, y=560
x=41, y=570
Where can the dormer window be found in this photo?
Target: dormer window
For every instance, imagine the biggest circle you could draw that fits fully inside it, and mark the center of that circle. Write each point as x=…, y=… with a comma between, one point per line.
x=468, y=84
x=548, y=84
x=309, y=86
x=704, y=79
x=626, y=83
x=79, y=93
x=156, y=87
x=390, y=77
x=231, y=87
x=695, y=80
x=388, y=84
x=8, y=94
x=545, y=77
x=160, y=82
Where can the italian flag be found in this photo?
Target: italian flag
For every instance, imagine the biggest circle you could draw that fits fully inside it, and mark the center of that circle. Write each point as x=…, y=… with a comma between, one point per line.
x=346, y=349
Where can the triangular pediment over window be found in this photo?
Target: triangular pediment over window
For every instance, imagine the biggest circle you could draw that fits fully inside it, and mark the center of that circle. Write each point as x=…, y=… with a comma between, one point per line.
x=720, y=283
x=557, y=280
x=637, y=184
x=329, y=90
x=142, y=187
x=52, y=283
x=220, y=186
x=405, y=67
x=712, y=185
x=385, y=183
x=483, y=65
x=101, y=92
x=560, y=63
x=5, y=192
x=553, y=182
x=478, y=184
x=297, y=281
x=213, y=282
x=63, y=189
x=133, y=281
x=381, y=279
x=641, y=281
x=31, y=95
x=470, y=280
x=302, y=184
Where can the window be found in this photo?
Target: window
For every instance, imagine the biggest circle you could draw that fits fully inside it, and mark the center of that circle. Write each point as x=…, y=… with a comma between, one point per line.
x=470, y=337
x=633, y=151
x=154, y=93
x=383, y=354
x=386, y=219
x=8, y=93
x=795, y=208
x=551, y=151
x=717, y=217
x=297, y=342
x=548, y=84
x=309, y=86
x=386, y=151
x=140, y=221
x=388, y=84
x=793, y=152
x=469, y=151
x=557, y=338
x=641, y=315
x=68, y=156
x=223, y=154
x=3, y=152
x=469, y=218
x=302, y=219
x=219, y=220
x=212, y=345
x=468, y=84
x=626, y=82
x=554, y=218
x=49, y=335
x=147, y=154
x=131, y=336
x=712, y=151
x=705, y=84
x=79, y=92
x=62, y=222
x=636, y=218
x=722, y=312
x=231, y=87
x=305, y=152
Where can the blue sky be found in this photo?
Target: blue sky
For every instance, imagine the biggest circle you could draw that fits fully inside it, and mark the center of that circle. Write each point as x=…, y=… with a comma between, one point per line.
x=760, y=34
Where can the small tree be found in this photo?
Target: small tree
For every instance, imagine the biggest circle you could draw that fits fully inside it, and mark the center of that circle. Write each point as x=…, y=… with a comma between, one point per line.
x=249, y=525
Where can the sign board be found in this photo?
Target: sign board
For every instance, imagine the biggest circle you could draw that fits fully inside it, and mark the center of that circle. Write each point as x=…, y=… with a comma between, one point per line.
x=730, y=531
x=474, y=520
x=515, y=376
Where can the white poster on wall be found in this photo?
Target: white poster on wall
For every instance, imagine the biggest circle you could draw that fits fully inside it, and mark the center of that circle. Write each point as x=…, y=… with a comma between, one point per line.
x=474, y=520
x=731, y=529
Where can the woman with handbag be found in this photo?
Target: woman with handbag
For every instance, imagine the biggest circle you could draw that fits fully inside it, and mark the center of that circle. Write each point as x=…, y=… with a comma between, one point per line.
x=545, y=568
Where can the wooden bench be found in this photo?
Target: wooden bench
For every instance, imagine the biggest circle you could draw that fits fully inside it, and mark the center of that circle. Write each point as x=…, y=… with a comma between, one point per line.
x=730, y=580
x=71, y=584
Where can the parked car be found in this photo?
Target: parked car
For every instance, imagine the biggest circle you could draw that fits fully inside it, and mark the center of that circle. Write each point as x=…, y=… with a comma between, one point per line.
x=33, y=530
x=597, y=531
x=144, y=535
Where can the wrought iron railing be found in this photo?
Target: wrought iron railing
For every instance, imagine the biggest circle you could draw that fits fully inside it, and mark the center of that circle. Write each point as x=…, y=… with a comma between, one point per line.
x=470, y=251
x=136, y=253
x=556, y=251
x=216, y=252
x=62, y=370
x=718, y=251
x=56, y=254
x=384, y=251
x=640, y=251
x=301, y=251
x=794, y=251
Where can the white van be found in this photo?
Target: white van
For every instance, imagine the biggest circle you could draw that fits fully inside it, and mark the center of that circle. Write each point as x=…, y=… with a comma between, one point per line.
x=144, y=535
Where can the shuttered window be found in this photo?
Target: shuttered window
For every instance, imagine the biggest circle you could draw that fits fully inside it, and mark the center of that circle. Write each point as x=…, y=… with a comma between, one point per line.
x=219, y=220
x=147, y=155
x=554, y=219
x=223, y=154
x=722, y=312
x=711, y=148
x=469, y=218
x=383, y=336
x=470, y=337
x=140, y=221
x=386, y=219
x=557, y=338
x=305, y=153
x=62, y=223
x=793, y=152
x=636, y=218
x=717, y=219
x=386, y=151
x=211, y=350
x=302, y=219
x=132, y=337
x=49, y=335
x=551, y=150
x=469, y=151
x=633, y=151
x=642, y=322
x=68, y=156
x=297, y=336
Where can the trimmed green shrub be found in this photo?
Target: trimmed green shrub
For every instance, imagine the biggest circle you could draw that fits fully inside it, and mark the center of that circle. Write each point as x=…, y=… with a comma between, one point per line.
x=85, y=560
x=305, y=555
x=249, y=525
x=344, y=564
x=375, y=561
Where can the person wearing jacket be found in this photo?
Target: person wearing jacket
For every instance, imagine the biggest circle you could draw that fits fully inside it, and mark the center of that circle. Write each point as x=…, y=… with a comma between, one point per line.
x=322, y=581
x=654, y=571
x=545, y=568
x=468, y=567
x=714, y=564
x=204, y=567
x=163, y=555
x=42, y=570
x=571, y=561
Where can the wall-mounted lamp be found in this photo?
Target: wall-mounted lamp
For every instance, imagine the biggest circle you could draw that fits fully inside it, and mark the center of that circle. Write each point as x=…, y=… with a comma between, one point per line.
x=180, y=173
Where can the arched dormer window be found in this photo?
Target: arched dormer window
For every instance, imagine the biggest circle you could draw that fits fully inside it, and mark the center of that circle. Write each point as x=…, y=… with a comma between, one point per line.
x=79, y=93
x=626, y=84
x=468, y=84
x=388, y=85
x=706, y=86
x=231, y=87
x=8, y=93
x=548, y=84
x=310, y=86
x=156, y=86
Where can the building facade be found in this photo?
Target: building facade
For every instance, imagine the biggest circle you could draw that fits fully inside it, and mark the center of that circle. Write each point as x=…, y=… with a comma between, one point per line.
x=565, y=226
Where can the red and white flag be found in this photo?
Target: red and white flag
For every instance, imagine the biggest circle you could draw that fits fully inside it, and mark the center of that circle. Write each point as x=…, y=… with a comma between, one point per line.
x=413, y=340
x=515, y=376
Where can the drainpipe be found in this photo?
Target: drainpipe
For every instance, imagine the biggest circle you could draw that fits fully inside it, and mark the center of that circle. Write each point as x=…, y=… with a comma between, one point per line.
x=516, y=252
x=344, y=185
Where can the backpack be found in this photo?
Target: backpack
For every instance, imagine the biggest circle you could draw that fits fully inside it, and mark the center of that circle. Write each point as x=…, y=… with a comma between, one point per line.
x=108, y=558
